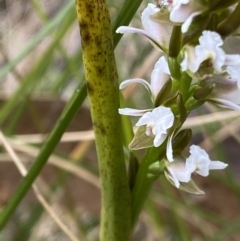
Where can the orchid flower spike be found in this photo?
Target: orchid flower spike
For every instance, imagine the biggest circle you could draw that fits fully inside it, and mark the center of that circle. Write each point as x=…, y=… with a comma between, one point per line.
x=209, y=49
x=158, y=33
x=159, y=77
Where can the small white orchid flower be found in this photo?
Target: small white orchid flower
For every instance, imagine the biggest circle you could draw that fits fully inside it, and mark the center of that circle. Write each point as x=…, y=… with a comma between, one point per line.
x=209, y=48
x=184, y=11
x=179, y=172
x=159, y=77
x=200, y=163
x=158, y=33
x=157, y=122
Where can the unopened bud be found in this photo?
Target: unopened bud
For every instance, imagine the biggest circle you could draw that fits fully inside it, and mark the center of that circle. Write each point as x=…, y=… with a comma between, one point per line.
x=181, y=140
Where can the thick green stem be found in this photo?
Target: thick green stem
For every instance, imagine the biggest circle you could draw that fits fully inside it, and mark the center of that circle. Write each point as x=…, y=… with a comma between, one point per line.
x=102, y=85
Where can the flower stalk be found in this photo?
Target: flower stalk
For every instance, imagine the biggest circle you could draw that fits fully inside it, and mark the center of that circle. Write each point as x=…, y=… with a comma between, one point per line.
x=102, y=85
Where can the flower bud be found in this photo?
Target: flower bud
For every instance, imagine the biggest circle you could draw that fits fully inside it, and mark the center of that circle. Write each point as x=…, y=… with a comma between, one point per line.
x=164, y=92
x=133, y=168
x=181, y=140
x=204, y=92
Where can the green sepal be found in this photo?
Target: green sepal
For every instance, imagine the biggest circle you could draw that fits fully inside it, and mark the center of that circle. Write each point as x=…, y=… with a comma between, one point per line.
x=164, y=92
x=181, y=108
x=202, y=93
x=141, y=140
x=132, y=171
x=171, y=102
x=181, y=140
x=192, y=103
x=189, y=187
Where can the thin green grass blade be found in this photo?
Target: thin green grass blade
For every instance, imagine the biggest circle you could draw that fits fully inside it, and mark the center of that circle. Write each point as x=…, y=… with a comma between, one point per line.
x=125, y=16
x=47, y=30
x=32, y=78
x=53, y=139
x=227, y=230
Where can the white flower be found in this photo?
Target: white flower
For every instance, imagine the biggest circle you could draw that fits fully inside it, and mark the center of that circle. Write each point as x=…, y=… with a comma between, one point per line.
x=179, y=172
x=209, y=49
x=184, y=11
x=158, y=33
x=200, y=163
x=159, y=77
x=157, y=123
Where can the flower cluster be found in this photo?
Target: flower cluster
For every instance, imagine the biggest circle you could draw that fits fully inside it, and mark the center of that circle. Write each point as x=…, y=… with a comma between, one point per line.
x=187, y=75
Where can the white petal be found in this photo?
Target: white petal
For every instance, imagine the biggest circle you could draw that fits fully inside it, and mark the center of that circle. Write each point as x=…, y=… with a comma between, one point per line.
x=132, y=112
x=232, y=59
x=181, y=173
x=234, y=72
x=210, y=39
x=225, y=89
x=126, y=29
x=169, y=149
x=214, y=165
x=159, y=139
x=183, y=11
x=125, y=83
x=160, y=32
x=225, y=103
x=188, y=21
x=171, y=175
x=190, y=60
x=146, y=119
x=159, y=76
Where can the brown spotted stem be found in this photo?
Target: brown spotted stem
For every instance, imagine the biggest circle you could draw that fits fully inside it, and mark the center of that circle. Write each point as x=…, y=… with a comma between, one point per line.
x=102, y=86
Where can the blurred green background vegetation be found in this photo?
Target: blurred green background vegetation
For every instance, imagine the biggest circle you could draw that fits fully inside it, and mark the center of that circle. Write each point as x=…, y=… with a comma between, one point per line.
x=40, y=69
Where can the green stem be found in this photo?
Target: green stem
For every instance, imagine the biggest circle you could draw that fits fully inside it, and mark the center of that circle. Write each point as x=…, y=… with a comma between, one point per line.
x=69, y=112
x=143, y=182
x=102, y=85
